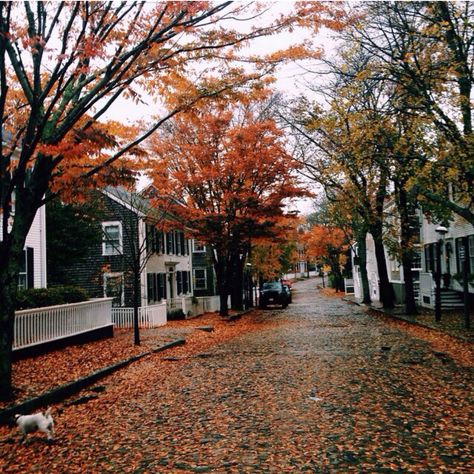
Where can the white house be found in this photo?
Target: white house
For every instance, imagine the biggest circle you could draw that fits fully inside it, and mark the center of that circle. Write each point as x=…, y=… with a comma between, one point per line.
x=456, y=243
x=33, y=271
x=33, y=265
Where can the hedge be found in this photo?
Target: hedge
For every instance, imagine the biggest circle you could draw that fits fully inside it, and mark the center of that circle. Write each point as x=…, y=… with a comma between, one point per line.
x=41, y=297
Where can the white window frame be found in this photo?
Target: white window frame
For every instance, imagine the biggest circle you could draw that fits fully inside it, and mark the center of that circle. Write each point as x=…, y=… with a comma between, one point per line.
x=205, y=279
x=111, y=250
x=198, y=247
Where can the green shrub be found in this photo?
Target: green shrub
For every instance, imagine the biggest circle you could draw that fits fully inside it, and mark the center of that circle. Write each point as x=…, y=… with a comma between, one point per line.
x=41, y=297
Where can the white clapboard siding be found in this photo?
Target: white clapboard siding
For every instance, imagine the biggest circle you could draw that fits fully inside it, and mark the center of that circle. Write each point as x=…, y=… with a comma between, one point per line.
x=148, y=316
x=39, y=325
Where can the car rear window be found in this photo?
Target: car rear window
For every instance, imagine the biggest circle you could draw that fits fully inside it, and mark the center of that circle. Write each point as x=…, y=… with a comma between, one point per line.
x=272, y=285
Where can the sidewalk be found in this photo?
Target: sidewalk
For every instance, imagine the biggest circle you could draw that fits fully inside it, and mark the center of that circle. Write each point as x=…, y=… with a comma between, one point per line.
x=452, y=322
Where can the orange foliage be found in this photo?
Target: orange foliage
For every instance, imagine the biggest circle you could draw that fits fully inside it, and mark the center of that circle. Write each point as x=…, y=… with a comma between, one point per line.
x=226, y=171
x=320, y=241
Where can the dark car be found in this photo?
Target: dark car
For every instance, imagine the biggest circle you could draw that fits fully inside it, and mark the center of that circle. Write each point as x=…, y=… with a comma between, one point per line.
x=273, y=293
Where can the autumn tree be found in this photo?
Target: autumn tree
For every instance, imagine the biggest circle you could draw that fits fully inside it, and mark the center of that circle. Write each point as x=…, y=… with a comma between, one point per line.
x=225, y=167
x=328, y=245
x=63, y=65
x=341, y=145
x=425, y=50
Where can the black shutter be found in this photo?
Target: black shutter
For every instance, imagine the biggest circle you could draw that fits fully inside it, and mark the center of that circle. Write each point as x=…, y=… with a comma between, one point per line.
x=179, y=282
x=30, y=268
x=149, y=285
x=161, y=281
x=185, y=282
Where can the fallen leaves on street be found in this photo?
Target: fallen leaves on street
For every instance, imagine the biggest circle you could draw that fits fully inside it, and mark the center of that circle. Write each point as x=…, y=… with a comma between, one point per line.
x=321, y=387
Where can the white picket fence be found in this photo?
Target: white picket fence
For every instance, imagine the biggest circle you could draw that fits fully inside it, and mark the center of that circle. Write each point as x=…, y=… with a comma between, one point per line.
x=148, y=316
x=39, y=325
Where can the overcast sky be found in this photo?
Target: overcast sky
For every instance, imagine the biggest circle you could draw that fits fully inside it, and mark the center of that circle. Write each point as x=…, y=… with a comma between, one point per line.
x=291, y=78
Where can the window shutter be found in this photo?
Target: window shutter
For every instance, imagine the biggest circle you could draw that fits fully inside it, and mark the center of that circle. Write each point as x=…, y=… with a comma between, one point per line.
x=149, y=286
x=162, y=285
x=185, y=282
x=30, y=268
x=179, y=282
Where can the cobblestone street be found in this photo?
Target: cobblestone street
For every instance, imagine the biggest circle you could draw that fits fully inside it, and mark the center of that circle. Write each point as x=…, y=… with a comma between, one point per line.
x=324, y=388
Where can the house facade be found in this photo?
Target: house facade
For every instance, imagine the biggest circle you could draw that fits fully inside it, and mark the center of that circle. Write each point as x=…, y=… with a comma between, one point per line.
x=456, y=245
x=33, y=271
x=33, y=265
x=131, y=239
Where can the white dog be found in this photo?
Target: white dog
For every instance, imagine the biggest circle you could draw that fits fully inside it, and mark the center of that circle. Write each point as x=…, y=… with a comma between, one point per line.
x=36, y=422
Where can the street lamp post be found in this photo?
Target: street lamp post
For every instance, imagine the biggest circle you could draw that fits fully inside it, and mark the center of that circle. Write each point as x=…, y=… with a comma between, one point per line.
x=249, y=288
x=441, y=231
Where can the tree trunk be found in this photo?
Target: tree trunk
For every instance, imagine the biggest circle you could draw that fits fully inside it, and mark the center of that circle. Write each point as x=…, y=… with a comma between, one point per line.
x=236, y=296
x=385, y=287
x=11, y=253
x=222, y=286
x=362, y=255
x=7, y=317
x=136, y=305
x=387, y=296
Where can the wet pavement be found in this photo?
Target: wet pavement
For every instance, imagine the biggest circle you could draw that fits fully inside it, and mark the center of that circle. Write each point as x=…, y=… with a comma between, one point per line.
x=326, y=388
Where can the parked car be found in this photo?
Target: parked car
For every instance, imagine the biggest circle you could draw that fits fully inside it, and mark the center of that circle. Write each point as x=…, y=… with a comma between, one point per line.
x=287, y=288
x=273, y=293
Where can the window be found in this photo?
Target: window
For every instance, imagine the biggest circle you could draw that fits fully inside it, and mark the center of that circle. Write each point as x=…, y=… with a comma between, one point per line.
x=22, y=275
x=169, y=243
x=416, y=264
x=200, y=279
x=198, y=246
x=26, y=273
x=465, y=249
x=154, y=240
x=430, y=258
x=112, y=238
x=113, y=288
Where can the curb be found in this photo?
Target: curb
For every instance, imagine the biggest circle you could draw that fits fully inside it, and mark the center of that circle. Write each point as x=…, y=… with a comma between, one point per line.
x=238, y=315
x=64, y=391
